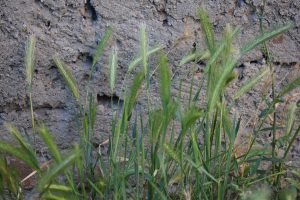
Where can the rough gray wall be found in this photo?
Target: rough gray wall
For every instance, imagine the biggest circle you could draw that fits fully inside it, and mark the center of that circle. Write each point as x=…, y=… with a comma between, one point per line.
x=72, y=28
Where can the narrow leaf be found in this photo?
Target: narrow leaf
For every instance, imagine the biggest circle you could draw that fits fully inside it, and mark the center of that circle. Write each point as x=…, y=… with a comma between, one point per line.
x=220, y=84
x=263, y=38
x=27, y=150
x=196, y=56
x=101, y=47
x=130, y=101
x=169, y=151
x=18, y=153
x=251, y=83
x=52, y=147
x=58, y=168
x=165, y=81
x=289, y=87
x=136, y=61
x=223, y=46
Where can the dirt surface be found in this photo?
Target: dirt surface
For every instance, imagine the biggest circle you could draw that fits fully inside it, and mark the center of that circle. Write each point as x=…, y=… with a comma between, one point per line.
x=72, y=29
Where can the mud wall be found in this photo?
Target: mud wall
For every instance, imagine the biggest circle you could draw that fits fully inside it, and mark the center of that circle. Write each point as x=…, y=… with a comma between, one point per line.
x=72, y=29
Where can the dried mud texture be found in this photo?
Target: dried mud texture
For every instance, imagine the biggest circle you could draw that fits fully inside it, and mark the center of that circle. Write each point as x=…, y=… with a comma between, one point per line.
x=73, y=28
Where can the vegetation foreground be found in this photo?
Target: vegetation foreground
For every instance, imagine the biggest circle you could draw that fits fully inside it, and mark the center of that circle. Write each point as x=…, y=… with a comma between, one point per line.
x=197, y=161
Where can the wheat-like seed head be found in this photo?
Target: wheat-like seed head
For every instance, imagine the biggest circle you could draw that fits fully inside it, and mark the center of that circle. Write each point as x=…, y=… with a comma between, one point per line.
x=30, y=59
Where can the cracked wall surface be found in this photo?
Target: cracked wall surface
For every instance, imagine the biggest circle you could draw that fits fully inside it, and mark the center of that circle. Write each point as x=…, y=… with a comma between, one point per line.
x=73, y=28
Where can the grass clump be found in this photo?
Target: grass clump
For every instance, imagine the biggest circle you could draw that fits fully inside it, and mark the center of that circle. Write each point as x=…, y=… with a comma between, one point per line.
x=190, y=151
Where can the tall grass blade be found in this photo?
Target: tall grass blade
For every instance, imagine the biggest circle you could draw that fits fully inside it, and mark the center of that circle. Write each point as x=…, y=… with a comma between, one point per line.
x=60, y=188
x=136, y=61
x=66, y=74
x=224, y=45
x=55, y=170
x=129, y=104
x=220, y=84
x=251, y=83
x=289, y=87
x=51, y=196
x=113, y=69
x=101, y=47
x=52, y=147
x=196, y=56
x=190, y=117
x=25, y=148
x=165, y=81
x=168, y=149
x=291, y=142
x=18, y=153
x=134, y=91
x=30, y=59
x=263, y=38
x=159, y=192
x=94, y=186
x=201, y=170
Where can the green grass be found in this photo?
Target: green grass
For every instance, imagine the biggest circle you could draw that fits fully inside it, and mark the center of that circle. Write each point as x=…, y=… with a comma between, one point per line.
x=176, y=151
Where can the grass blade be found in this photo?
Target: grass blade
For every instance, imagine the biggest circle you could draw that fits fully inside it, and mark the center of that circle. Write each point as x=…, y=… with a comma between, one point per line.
x=251, y=83
x=165, y=81
x=196, y=56
x=159, y=192
x=25, y=148
x=263, y=38
x=101, y=47
x=172, y=153
x=291, y=86
x=18, y=153
x=220, y=84
x=52, y=147
x=201, y=170
x=58, y=168
x=225, y=44
x=132, y=98
x=64, y=71
x=136, y=61
x=60, y=188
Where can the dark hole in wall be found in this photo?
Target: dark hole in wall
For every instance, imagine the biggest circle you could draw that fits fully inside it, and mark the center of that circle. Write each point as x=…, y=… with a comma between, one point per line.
x=259, y=62
x=85, y=57
x=108, y=100
x=241, y=69
x=167, y=21
x=86, y=77
x=48, y=23
x=91, y=9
